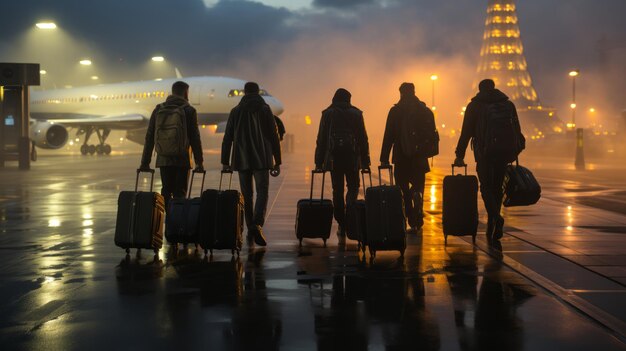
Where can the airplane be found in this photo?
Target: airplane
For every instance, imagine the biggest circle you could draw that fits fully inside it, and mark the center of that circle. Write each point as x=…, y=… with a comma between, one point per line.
x=127, y=106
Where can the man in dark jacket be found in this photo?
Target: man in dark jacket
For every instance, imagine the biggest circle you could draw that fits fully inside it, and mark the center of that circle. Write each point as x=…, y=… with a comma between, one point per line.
x=175, y=169
x=490, y=170
x=342, y=123
x=252, y=135
x=410, y=166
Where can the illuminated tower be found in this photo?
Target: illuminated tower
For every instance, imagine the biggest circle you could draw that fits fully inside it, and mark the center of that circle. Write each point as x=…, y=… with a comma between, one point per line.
x=502, y=54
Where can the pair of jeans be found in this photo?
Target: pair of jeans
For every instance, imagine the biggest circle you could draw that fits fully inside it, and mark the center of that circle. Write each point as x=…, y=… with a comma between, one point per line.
x=174, y=183
x=255, y=211
x=340, y=178
x=491, y=177
x=411, y=180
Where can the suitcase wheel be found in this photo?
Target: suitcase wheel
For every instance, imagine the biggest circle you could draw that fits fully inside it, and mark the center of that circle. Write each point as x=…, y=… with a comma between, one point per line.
x=127, y=251
x=324, y=242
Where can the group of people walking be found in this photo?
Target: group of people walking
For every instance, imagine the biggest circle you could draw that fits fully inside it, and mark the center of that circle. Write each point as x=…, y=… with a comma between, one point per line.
x=251, y=146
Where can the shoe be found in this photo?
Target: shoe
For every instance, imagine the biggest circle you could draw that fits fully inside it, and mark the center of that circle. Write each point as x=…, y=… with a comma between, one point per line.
x=259, y=238
x=498, y=230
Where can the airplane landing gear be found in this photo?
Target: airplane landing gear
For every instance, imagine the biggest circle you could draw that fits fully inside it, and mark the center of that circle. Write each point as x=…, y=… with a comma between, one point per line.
x=101, y=148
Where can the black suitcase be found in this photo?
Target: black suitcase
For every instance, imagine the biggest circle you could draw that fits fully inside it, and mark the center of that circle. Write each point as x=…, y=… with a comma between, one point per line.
x=181, y=221
x=221, y=219
x=314, y=217
x=386, y=221
x=520, y=186
x=140, y=214
x=356, y=224
x=460, y=205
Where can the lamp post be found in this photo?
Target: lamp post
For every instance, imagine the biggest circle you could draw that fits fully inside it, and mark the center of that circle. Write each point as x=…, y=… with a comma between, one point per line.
x=573, y=74
x=433, y=78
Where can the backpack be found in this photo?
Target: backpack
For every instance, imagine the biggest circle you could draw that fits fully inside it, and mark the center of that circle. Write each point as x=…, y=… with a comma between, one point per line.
x=170, y=137
x=497, y=136
x=342, y=141
x=415, y=137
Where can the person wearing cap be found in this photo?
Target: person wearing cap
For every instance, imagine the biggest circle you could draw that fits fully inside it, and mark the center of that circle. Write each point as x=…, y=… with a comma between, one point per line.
x=252, y=136
x=410, y=167
x=490, y=170
x=342, y=148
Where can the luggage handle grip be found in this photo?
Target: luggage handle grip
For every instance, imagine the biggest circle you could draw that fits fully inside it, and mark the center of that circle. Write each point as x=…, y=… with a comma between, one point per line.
x=191, y=182
x=313, y=172
x=230, y=181
x=464, y=166
x=139, y=171
x=380, y=178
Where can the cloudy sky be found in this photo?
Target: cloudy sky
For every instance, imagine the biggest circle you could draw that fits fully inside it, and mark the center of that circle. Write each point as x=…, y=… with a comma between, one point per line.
x=301, y=50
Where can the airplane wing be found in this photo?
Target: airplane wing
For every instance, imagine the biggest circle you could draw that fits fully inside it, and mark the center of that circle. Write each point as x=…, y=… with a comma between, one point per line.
x=127, y=121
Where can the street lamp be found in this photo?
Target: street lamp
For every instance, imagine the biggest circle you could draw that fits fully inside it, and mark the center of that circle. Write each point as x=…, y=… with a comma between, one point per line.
x=573, y=74
x=433, y=78
x=46, y=25
x=158, y=59
x=85, y=62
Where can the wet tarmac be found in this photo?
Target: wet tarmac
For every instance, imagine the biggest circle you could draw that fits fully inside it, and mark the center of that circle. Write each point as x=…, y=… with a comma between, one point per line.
x=66, y=286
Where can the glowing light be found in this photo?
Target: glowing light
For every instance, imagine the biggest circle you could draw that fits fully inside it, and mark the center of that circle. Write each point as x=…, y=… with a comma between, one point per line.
x=46, y=25
x=592, y=110
x=87, y=223
x=574, y=73
x=443, y=126
x=85, y=62
x=463, y=108
x=572, y=105
x=434, y=108
x=158, y=59
x=434, y=77
x=307, y=120
x=54, y=222
x=43, y=72
x=95, y=77
x=571, y=125
x=158, y=79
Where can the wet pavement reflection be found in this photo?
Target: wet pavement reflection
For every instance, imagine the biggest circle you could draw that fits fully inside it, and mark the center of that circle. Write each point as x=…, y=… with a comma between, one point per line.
x=66, y=286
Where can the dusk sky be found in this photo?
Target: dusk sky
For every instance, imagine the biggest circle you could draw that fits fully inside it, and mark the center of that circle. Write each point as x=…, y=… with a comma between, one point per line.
x=302, y=50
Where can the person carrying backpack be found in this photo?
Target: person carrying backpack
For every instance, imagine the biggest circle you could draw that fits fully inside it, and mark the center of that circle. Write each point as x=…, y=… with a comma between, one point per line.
x=172, y=131
x=342, y=148
x=411, y=132
x=492, y=124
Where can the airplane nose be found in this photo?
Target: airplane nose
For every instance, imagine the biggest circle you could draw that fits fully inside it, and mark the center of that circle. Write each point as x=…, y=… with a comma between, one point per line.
x=276, y=106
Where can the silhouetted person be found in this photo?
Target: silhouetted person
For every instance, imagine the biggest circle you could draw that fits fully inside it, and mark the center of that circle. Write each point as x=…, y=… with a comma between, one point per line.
x=252, y=135
x=342, y=148
x=491, y=122
x=408, y=122
x=173, y=130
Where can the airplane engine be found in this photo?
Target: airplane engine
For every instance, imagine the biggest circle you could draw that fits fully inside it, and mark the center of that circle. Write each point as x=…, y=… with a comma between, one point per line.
x=47, y=135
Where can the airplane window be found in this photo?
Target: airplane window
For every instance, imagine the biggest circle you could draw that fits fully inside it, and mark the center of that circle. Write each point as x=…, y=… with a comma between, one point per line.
x=240, y=92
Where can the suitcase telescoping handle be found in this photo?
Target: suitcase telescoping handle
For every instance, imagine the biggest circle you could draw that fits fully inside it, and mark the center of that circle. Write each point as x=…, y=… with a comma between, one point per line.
x=151, y=171
x=230, y=181
x=313, y=172
x=380, y=178
x=464, y=166
x=363, y=173
x=193, y=173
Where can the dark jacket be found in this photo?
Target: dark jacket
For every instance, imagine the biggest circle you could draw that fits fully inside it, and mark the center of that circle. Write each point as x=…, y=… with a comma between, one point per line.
x=252, y=135
x=473, y=112
x=193, y=135
x=342, y=115
x=407, y=107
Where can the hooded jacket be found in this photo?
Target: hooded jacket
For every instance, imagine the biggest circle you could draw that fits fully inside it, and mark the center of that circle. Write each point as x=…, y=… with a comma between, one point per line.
x=473, y=112
x=407, y=107
x=252, y=135
x=193, y=135
x=342, y=115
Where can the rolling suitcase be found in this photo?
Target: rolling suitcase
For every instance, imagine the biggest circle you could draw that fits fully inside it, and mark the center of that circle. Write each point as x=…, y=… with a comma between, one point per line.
x=386, y=221
x=520, y=186
x=356, y=216
x=181, y=220
x=140, y=214
x=314, y=217
x=460, y=205
x=221, y=219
